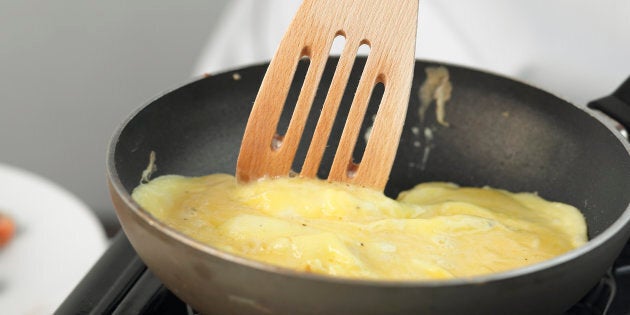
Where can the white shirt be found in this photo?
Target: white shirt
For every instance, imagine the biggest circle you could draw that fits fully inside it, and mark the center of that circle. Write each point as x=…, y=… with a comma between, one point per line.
x=576, y=49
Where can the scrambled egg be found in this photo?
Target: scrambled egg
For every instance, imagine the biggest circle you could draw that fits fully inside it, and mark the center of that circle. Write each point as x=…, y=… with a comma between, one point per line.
x=433, y=231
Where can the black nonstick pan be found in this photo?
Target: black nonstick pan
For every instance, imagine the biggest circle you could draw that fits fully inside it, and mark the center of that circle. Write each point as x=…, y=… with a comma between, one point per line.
x=501, y=133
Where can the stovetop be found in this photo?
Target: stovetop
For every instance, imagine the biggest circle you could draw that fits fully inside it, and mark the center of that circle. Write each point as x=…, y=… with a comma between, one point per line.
x=120, y=283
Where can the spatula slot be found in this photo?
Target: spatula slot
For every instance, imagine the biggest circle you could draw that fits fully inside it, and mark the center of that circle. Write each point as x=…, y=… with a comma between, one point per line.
x=364, y=48
x=368, y=121
x=290, y=102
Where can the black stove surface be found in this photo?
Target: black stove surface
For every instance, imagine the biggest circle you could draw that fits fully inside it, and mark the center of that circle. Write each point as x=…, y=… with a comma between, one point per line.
x=120, y=283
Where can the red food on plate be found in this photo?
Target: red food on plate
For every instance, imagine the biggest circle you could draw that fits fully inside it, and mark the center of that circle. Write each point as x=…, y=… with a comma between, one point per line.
x=7, y=229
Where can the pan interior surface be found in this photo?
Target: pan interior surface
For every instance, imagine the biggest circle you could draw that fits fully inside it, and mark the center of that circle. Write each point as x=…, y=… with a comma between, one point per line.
x=502, y=134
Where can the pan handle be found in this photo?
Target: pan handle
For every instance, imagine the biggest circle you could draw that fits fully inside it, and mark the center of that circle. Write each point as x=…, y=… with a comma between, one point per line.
x=616, y=105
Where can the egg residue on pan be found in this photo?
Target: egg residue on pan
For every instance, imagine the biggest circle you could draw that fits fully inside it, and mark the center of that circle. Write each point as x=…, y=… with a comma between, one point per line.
x=432, y=231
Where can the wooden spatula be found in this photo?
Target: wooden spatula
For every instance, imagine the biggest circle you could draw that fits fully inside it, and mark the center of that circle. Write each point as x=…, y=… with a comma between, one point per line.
x=389, y=28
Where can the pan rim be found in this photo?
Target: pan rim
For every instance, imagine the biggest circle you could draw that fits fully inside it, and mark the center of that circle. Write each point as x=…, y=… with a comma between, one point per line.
x=621, y=223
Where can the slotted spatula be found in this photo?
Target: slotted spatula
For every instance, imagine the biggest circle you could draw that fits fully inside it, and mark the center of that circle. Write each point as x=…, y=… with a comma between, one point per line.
x=389, y=28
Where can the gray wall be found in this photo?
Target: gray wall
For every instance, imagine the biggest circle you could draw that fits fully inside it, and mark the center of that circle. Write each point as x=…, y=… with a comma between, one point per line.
x=71, y=71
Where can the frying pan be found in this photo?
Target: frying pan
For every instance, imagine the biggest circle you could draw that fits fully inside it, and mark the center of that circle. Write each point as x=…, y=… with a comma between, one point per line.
x=502, y=134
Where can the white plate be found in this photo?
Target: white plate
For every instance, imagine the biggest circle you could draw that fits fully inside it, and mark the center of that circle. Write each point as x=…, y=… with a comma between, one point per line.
x=57, y=242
